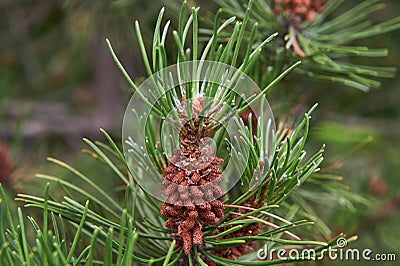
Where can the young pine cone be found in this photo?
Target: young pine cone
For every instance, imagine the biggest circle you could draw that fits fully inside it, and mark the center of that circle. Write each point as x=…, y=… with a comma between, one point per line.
x=299, y=10
x=191, y=185
x=252, y=229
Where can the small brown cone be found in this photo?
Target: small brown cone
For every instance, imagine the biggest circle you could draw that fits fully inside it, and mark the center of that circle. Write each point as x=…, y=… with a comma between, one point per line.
x=190, y=189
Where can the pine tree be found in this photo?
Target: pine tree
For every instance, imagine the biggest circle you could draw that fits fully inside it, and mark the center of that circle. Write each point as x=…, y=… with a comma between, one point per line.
x=198, y=223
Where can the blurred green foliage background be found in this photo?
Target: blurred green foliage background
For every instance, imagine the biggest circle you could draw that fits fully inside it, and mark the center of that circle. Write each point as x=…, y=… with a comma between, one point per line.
x=58, y=84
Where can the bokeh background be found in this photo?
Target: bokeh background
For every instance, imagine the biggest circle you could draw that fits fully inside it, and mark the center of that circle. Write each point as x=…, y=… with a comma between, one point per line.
x=58, y=84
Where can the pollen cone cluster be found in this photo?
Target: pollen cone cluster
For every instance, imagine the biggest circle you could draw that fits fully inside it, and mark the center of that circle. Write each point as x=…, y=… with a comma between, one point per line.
x=299, y=10
x=191, y=183
x=252, y=229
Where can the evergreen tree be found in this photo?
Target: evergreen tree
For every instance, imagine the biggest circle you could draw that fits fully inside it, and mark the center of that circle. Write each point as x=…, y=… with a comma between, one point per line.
x=199, y=223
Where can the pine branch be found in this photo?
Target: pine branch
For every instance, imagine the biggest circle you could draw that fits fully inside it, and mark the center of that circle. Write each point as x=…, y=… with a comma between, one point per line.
x=321, y=36
x=265, y=205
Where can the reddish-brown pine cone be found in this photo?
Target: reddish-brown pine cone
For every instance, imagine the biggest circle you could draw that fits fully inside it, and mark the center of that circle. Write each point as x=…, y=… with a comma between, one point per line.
x=299, y=10
x=238, y=251
x=249, y=230
x=189, y=207
x=191, y=184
